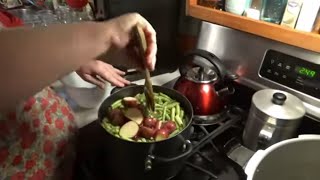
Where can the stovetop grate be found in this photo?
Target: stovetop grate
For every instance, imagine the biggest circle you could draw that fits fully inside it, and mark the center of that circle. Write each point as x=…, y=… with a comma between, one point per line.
x=208, y=159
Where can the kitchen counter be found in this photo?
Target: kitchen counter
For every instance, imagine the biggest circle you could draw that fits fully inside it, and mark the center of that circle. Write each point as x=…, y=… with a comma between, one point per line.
x=85, y=116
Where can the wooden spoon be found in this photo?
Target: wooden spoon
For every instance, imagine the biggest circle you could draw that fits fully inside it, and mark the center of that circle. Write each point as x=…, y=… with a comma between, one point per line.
x=142, y=47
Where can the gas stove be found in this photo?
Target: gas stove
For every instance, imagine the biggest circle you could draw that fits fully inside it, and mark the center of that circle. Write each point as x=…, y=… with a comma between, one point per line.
x=218, y=152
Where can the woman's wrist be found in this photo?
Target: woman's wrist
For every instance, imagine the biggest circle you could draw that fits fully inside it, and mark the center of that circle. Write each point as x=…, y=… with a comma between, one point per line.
x=98, y=40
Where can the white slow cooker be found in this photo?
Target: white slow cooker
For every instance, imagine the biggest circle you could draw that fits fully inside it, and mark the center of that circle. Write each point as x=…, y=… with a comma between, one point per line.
x=292, y=159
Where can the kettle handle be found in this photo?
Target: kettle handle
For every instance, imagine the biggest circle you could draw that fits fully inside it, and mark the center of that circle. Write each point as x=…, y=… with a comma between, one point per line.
x=214, y=60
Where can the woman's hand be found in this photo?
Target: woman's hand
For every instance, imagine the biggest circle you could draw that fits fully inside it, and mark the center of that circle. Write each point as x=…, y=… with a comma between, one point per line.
x=120, y=30
x=97, y=72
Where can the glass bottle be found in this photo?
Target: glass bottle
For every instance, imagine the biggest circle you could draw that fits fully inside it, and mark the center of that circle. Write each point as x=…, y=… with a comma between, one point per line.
x=272, y=10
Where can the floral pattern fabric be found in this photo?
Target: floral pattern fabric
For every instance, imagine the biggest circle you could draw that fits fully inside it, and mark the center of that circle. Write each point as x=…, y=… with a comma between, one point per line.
x=36, y=140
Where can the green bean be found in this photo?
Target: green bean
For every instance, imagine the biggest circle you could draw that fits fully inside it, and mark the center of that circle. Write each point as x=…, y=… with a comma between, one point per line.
x=105, y=120
x=172, y=105
x=173, y=114
x=179, y=120
x=174, y=133
x=163, y=99
x=116, y=104
x=181, y=114
x=158, y=102
x=164, y=113
x=141, y=98
x=178, y=110
x=164, y=95
x=167, y=116
x=117, y=129
x=128, y=139
x=158, y=106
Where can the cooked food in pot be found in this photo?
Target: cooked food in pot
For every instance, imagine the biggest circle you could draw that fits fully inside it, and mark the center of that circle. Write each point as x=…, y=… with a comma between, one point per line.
x=127, y=118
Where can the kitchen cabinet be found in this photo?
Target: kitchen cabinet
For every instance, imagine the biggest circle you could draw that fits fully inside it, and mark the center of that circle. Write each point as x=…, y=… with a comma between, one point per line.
x=305, y=40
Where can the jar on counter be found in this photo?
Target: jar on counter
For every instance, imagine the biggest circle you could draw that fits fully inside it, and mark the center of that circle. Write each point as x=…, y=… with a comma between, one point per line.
x=272, y=10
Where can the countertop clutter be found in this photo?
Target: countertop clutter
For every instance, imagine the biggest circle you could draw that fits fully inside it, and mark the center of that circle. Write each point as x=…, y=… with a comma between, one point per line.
x=295, y=14
x=293, y=22
x=34, y=14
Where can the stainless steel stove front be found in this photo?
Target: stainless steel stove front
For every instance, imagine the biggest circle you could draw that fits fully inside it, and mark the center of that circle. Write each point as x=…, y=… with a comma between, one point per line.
x=243, y=54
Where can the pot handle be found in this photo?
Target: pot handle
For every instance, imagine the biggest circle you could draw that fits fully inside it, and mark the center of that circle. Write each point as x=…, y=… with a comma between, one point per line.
x=253, y=163
x=152, y=159
x=265, y=136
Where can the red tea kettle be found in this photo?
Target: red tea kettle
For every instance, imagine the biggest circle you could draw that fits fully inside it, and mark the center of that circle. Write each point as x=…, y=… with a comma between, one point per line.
x=205, y=82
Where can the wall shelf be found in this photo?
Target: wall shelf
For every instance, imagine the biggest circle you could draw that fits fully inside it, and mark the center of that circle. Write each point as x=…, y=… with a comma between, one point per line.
x=306, y=40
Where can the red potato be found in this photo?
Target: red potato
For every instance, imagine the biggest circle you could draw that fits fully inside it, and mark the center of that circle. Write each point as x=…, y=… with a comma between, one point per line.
x=116, y=117
x=161, y=134
x=146, y=132
x=142, y=108
x=170, y=126
x=134, y=114
x=129, y=130
x=130, y=102
x=150, y=122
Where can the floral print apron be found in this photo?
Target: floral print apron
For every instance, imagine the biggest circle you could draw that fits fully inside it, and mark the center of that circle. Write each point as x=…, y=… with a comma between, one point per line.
x=36, y=140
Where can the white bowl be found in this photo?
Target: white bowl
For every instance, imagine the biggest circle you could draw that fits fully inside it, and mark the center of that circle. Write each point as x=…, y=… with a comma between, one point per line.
x=85, y=94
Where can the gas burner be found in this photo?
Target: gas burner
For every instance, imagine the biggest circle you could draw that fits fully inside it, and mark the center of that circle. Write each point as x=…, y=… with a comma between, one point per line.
x=216, y=118
x=209, y=120
x=208, y=159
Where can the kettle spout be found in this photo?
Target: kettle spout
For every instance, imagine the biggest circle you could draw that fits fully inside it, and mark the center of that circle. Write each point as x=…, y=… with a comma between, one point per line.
x=226, y=91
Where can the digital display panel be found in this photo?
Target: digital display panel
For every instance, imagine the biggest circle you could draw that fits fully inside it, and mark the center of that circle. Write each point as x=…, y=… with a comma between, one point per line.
x=298, y=74
x=305, y=71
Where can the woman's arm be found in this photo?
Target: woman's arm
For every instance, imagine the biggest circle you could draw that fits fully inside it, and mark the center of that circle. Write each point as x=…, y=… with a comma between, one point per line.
x=32, y=58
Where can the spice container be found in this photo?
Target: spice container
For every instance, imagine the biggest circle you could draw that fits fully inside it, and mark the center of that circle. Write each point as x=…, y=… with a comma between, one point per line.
x=272, y=10
x=291, y=13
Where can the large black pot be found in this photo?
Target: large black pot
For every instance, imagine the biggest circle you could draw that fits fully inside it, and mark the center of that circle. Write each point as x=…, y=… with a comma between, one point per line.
x=125, y=160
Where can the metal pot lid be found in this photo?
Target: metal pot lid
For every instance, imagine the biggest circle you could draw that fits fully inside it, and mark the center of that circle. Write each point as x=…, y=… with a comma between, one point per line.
x=279, y=104
x=201, y=75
